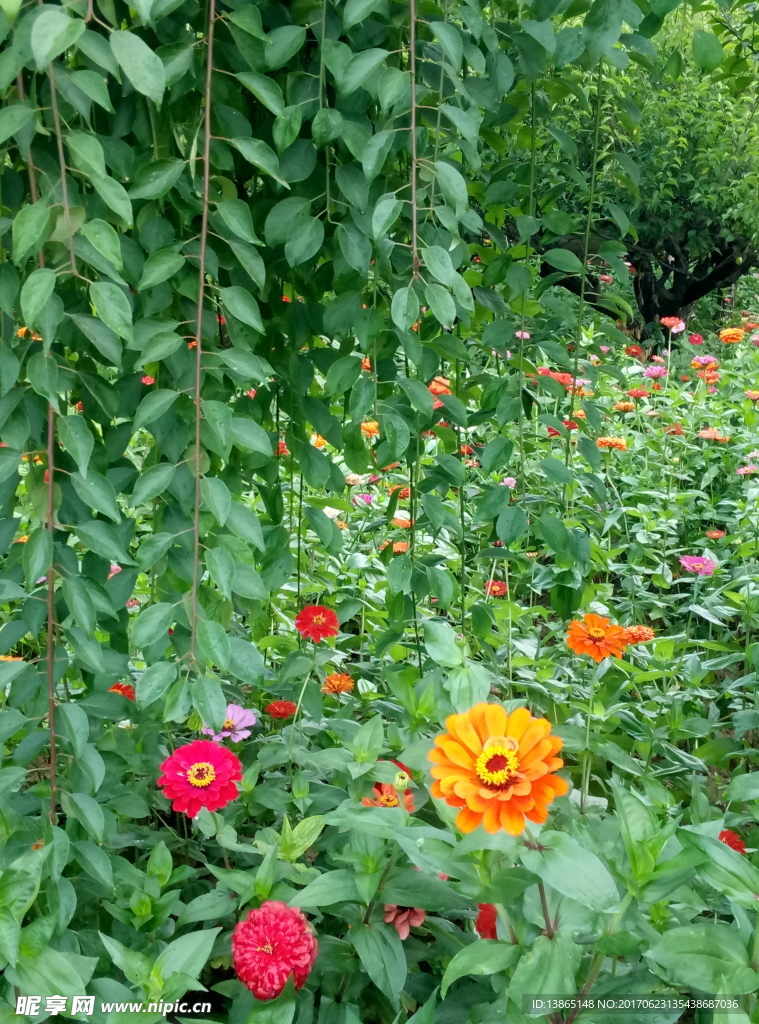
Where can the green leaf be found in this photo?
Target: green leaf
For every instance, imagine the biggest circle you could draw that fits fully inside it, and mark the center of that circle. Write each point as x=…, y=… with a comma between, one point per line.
x=564, y=260
x=511, y=524
x=359, y=68
x=37, y=555
x=104, y=238
x=155, y=179
x=31, y=227
x=101, y=538
x=249, y=20
x=707, y=51
x=81, y=607
x=53, y=32
x=216, y=495
x=572, y=869
x=159, y=267
x=441, y=303
x=152, y=482
x=260, y=155
x=97, y=492
x=440, y=644
x=114, y=195
x=186, y=955
x=153, y=406
x=13, y=117
x=450, y=40
x=283, y=44
x=452, y=183
x=549, y=966
x=87, y=811
x=404, y=309
x=704, y=956
x=42, y=372
x=151, y=624
x=305, y=241
x=342, y=375
x=380, y=951
x=208, y=698
x=356, y=10
x=153, y=684
x=140, y=64
x=250, y=261
x=249, y=436
x=483, y=957
x=240, y=304
x=265, y=90
x=399, y=575
x=213, y=641
x=221, y=566
x=35, y=292
x=112, y=307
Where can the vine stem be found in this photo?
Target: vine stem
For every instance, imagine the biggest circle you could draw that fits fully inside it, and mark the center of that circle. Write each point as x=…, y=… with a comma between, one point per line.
x=62, y=163
x=51, y=610
x=199, y=324
x=528, y=256
x=412, y=71
x=584, y=277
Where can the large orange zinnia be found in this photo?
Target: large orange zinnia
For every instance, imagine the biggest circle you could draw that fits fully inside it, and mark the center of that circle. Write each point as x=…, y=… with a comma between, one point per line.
x=597, y=637
x=498, y=768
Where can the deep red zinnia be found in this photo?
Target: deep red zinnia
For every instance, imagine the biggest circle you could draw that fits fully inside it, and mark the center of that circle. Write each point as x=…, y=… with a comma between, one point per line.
x=200, y=774
x=733, y=840
x=281, y=709
x=316, y=622
x=272, y=943
x=125, y=689
x=486, y=921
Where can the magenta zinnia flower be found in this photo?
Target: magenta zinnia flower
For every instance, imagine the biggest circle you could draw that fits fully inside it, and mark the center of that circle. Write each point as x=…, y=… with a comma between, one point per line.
x=747, y=470
x=235, y=725
x=698, y=564
x=655, y=372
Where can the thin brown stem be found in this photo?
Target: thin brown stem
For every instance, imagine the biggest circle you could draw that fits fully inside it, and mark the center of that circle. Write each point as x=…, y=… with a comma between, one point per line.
x=550, y=925
x=62, y=164
x=414, y=210
x=199, y=325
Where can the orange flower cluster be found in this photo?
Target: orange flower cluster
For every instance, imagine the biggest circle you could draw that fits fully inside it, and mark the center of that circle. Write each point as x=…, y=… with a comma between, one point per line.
x=595, y=636
x=318, y=441
x=732, y=335
x=366, y=363
x=497, y=768
x=338, y=682
x=638, y=393
x=617, y=443
x=370, y=428
x=403, y=492
x=22, y=332
x=624, y=406
x=710, y=376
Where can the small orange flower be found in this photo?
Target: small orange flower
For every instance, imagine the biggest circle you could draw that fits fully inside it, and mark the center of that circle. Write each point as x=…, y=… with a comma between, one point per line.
x=579, y=414
x=402, y=523
x=624, y=406
x=712, y=434
x=338, y=682
x=22, y=539
x=341, y=524
x=282, y=449
x=366, y=363
x=498, y=768
x=318, y=441
x=370, y=428
x=753, y=396
x=617, y=443
x=638, y=393
x=402, y=492
x=715, y=534
x=386, y=795
x=676, y=430
x=439, y=386
x=595, y=636
x=732, y=335
x=638, y=634
x=400, y=547
x=10, y=657
x=192, y=344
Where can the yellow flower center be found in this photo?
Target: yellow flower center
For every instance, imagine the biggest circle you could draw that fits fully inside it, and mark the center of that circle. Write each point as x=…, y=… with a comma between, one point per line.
x=201, y=774
x=318, y=620
x=229, y=725
x=498, y=763
x=389, y=800
x=596, y=633
x=697, y=565
x=268, y=948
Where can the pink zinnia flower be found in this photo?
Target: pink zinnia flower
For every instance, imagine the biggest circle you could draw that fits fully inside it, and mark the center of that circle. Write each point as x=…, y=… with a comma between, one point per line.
x=509, y=481
x=747, y=470
x=696, y=339
x=403, y=919
x=655, y=372
x=365, y=499
x=235, y=725
x=698, y=564
x=522, y=334
x=200, y=774
x=605, y=348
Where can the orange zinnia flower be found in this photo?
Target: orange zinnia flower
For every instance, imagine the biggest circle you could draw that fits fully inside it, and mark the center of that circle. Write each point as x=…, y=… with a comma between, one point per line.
x=595, y=636
x=386, y=795
x=439, y=386
x=498, y=768
x=366, y=363
x=624, y=406
x=370, y=428
x=318, y=441
x=403, y=492
x=638, y=634
x=403, y=524
x=612, y=442
x=338, y=682
x=712, y=434
x=732, y=335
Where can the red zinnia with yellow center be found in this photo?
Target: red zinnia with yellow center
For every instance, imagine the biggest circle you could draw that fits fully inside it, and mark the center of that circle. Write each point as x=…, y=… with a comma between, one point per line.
x=498, y=768
x=125, y=689
x=317, y=622
x=386, y=795
x=595, y=636
x=200, y=774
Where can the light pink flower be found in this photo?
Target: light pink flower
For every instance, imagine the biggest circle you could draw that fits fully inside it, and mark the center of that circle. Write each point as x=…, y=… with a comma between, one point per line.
x=403, y=918
x=747, y=470
x=365, y=499
x=522, y=334
x=235, y=725
x=509, y=481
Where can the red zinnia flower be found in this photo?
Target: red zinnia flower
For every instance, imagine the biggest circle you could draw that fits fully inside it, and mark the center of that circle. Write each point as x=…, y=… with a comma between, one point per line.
x=635, y=351
x=272, y=943
x=200, y=774
x=386, y=795
x=638, y=393
x=282, y=449
x=125, y=689
x=486, y=921
x=696, y=339
x=147, y=379
x=316, y=622
x=733, y=840
x=281, y=709
x=496, y=588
